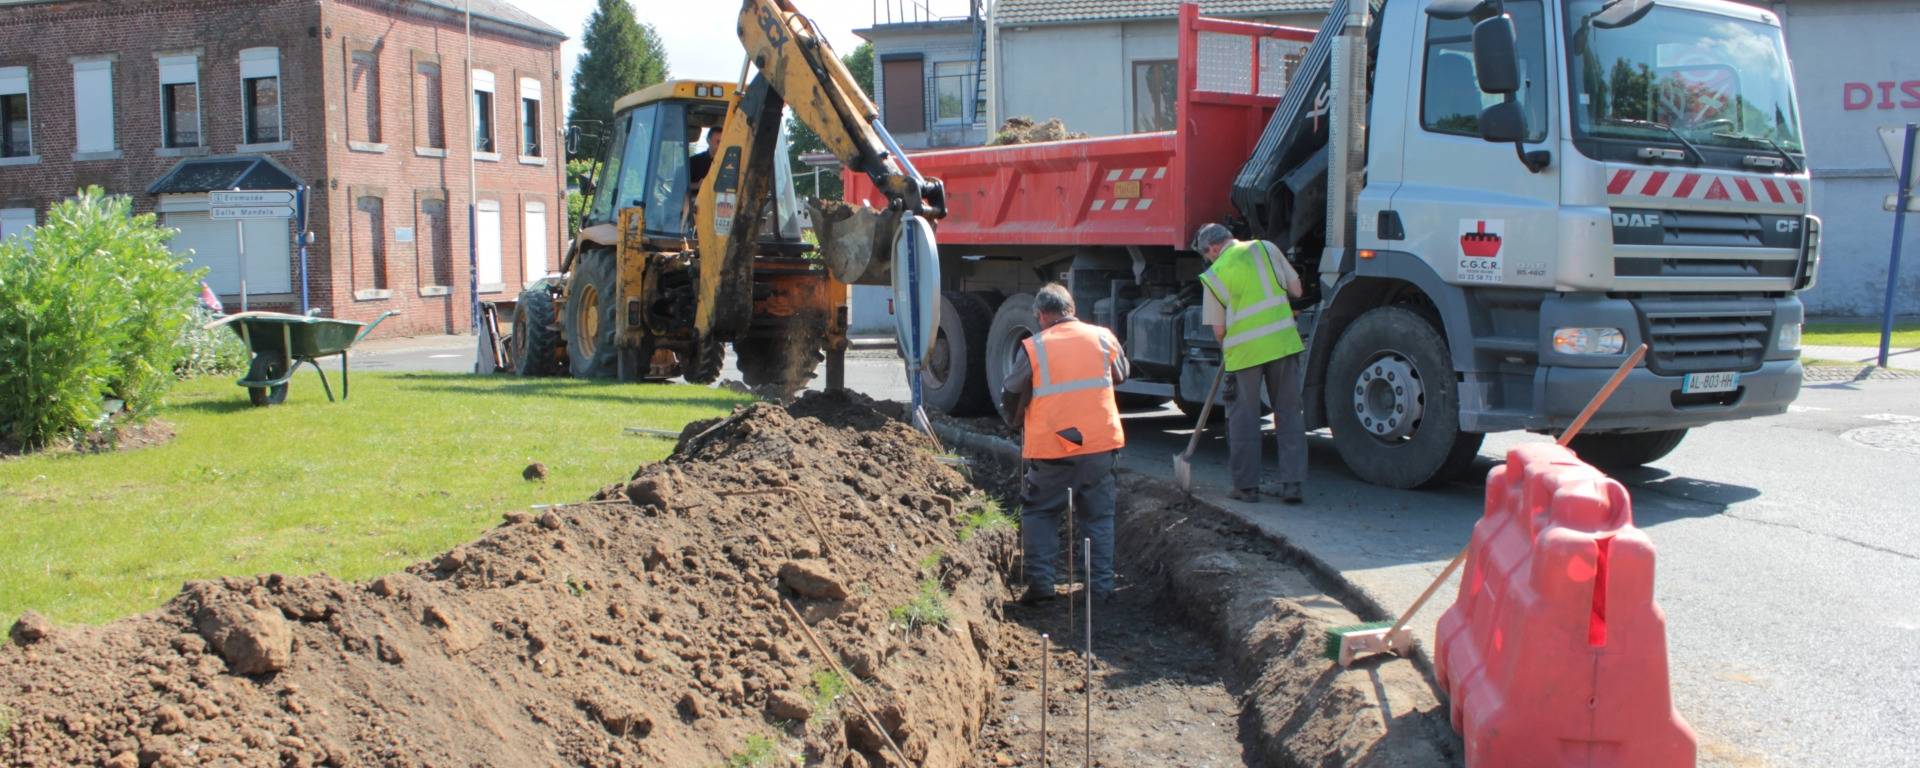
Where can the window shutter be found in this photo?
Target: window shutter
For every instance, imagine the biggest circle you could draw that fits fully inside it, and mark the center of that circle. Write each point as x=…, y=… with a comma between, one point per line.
x=483, y=80
x=259, y=62
x=529, y=88
x=13, y=80
x=93, y=106
x=179, y=69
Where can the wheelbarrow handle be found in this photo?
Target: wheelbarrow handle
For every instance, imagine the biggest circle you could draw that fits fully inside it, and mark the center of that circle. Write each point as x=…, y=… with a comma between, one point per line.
x=364, y=332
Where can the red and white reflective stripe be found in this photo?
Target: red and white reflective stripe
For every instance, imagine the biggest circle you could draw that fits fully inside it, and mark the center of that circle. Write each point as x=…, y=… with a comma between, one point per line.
x=1127, y=203
x=1703, y=186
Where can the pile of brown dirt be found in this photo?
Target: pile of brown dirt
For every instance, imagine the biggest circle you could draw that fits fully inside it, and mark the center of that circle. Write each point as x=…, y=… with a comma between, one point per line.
x=644, y=627
x=1023, y=130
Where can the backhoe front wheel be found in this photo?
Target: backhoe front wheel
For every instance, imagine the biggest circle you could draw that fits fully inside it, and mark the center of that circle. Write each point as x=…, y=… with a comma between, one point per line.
x=1393, y=404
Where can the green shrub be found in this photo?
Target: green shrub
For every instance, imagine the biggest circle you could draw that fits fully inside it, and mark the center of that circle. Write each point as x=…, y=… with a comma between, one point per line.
x=204, y=352
x=91, y=307
x=759, y=752
x=987, y=516
x=929, y=606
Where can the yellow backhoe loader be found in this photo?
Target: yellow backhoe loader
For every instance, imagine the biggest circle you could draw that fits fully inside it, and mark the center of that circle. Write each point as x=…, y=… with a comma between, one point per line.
x=689, y=245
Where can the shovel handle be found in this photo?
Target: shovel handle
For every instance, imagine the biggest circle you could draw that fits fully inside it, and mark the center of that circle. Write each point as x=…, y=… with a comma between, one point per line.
x=1206, y=410
x=1606, y=391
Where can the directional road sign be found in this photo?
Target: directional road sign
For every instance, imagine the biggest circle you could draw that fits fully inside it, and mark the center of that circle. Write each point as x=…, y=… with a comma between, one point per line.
x=250, y=198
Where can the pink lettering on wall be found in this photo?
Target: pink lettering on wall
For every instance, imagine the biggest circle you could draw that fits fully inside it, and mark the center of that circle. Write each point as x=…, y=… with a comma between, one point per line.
x=1884, y=94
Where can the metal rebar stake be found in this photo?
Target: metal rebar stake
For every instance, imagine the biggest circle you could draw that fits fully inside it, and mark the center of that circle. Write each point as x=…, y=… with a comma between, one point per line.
x=1087, y=654
x=1069, y=560
x=1045, y=656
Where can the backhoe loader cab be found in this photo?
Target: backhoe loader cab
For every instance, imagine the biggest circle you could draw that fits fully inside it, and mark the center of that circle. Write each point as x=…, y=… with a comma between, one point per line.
x=626, y=304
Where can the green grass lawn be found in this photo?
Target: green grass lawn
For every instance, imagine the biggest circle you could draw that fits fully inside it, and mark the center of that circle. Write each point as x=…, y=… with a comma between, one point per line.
x=1906, y=334
x=412, y=465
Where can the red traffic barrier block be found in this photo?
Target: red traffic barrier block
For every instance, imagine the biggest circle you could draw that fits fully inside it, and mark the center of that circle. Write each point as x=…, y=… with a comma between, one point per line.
x=1554, y=653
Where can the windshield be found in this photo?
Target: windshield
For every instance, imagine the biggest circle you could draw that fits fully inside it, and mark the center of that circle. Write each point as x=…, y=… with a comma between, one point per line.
x=1719, y=81
x=646, y=168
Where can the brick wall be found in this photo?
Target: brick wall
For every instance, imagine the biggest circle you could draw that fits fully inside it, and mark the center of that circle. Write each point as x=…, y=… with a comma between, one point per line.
x=347, y=166
x=426, y=280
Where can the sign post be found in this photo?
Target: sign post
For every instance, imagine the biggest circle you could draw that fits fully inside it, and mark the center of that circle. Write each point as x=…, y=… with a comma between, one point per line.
x=1903, y=201
x=238, y=206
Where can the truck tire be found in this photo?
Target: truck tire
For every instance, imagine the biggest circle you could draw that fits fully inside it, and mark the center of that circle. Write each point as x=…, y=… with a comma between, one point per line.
x=1012, y=324
x=955, y=379
x=1131, y=402
x=1393, y=404
x=589, y=329
x=1626, y=451
x=535, y=343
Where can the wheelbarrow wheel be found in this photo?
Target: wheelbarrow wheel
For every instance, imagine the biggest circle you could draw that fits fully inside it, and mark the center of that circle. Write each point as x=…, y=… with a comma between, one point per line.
x=264, y=368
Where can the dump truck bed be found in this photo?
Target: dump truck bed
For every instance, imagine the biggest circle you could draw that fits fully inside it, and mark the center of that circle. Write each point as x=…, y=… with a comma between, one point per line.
x=1148, y=189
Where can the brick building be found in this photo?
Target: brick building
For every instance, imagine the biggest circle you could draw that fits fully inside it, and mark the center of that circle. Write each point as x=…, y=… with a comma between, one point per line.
x=363, y=102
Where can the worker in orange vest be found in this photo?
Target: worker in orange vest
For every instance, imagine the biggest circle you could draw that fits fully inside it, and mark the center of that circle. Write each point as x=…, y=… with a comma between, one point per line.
x=1061, y=392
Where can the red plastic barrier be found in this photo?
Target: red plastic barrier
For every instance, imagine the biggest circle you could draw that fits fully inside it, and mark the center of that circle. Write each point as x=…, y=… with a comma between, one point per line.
x=1554, y=654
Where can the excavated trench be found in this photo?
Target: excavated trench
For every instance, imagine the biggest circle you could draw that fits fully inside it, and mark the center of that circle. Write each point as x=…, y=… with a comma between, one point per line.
x=649, y=626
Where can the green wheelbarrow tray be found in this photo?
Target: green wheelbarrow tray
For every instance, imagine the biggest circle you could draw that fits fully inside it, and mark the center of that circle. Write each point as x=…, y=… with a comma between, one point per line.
x=281, y=343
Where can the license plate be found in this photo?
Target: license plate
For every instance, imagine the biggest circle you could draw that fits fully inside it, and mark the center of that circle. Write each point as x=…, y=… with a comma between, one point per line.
x=1701, y=383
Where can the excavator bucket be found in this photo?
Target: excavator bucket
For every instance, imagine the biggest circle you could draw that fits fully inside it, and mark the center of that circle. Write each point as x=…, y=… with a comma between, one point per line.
x=857, y=241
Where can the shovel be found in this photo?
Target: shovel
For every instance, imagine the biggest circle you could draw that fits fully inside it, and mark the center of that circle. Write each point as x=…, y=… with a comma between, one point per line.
x=1183, y=463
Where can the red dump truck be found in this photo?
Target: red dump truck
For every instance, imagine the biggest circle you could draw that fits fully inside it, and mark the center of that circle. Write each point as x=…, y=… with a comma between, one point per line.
x=1495, y=230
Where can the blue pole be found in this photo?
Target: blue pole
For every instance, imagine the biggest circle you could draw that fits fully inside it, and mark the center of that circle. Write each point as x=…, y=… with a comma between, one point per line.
x=1901, y=200
x=913, y=314
x=300, y=237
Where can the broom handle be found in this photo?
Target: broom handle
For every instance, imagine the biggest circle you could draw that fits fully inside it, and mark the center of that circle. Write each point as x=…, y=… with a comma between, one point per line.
x=1599, y=399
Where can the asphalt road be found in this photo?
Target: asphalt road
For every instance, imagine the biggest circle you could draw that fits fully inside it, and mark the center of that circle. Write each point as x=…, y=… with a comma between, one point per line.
x=1788, y=556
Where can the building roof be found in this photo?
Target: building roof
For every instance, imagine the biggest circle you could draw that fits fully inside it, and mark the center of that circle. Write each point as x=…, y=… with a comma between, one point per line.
x=206, y=174
x=1019, y=12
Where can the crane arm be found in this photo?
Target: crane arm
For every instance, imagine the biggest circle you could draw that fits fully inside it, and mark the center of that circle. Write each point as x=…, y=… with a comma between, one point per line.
x=797, y=68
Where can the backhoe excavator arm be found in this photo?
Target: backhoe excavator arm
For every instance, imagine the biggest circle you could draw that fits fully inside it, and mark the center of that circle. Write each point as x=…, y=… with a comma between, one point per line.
x=797, y=68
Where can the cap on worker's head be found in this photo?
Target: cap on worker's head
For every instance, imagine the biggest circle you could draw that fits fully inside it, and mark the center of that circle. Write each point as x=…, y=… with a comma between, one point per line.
x=1210, y=235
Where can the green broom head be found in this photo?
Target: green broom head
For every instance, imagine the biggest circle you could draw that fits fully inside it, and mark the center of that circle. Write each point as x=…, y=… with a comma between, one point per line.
x=1336, y=634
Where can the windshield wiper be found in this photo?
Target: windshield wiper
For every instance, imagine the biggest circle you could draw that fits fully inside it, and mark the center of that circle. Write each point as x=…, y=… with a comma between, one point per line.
x=1698, y=157
x=1793, y=166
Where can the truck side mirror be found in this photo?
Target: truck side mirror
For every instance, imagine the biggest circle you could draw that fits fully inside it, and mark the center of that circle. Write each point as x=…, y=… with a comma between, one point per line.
x=1504, y=123
x=573, y=140
x=1494, y=60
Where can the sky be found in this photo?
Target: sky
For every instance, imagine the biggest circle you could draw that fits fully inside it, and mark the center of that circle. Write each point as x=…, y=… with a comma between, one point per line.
x=699, y=34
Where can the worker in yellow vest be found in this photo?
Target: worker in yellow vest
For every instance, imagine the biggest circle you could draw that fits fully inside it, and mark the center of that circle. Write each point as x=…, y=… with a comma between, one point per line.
x=1061, y=391
x=1248, y=288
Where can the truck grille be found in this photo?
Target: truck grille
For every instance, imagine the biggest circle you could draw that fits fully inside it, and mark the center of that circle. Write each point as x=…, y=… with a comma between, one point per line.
x=1695, y=342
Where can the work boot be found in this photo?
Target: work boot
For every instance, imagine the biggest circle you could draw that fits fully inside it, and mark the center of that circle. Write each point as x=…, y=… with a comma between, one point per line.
x=1248, y=495
x=1037, y=596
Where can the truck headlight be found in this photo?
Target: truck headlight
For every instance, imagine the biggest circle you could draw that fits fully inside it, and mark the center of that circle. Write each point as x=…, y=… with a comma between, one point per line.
x=1790, y=338
x=1589, y=341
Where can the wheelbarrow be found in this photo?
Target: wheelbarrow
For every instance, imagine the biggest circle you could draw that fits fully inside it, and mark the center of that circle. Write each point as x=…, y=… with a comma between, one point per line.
x=281, y=343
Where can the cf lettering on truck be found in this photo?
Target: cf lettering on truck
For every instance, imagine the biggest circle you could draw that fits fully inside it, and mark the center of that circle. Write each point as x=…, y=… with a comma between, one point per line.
x=1528, y=190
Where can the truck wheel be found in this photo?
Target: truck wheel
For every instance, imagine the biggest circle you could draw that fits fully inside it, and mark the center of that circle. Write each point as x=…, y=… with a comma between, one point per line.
x=535, y=343
x=589, y=330
x=1628, y=451
x=1132, y=402
x=1393, y=404
x=955, y=379
x=1011, y=325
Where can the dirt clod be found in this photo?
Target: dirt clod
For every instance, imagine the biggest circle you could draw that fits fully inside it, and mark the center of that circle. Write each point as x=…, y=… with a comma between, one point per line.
x=253, y=640
x=812, y=578
x=550, y=520
x=788, y=705
x=31, y=628
x=534, y=472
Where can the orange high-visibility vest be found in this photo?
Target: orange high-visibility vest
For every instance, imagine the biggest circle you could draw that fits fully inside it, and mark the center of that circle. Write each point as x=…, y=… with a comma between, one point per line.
x=1072, y=392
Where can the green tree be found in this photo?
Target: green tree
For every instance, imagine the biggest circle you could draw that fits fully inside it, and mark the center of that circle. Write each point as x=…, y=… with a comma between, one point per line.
x=622, y=56
x=802, y=139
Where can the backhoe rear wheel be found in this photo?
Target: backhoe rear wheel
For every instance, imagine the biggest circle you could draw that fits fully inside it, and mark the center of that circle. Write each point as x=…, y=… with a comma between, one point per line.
x=708, y=360
x=589, y=330
x=1393, y=404
x=534, y=345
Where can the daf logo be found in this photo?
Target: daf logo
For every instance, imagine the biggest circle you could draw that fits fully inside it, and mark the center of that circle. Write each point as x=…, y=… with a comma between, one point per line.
x=1787, y=226
x=1636, y=220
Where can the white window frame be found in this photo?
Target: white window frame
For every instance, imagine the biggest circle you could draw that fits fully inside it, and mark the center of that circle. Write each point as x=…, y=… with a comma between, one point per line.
x=18, y=81
x=256, y=63
x=966, y=69
x=89, y=64
x=530, y=91
x=172, y=61
x=483, y=82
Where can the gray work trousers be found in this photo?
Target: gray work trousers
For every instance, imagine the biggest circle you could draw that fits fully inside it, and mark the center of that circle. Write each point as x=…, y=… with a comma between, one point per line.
x=1280, y=381
x=1043, y=501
